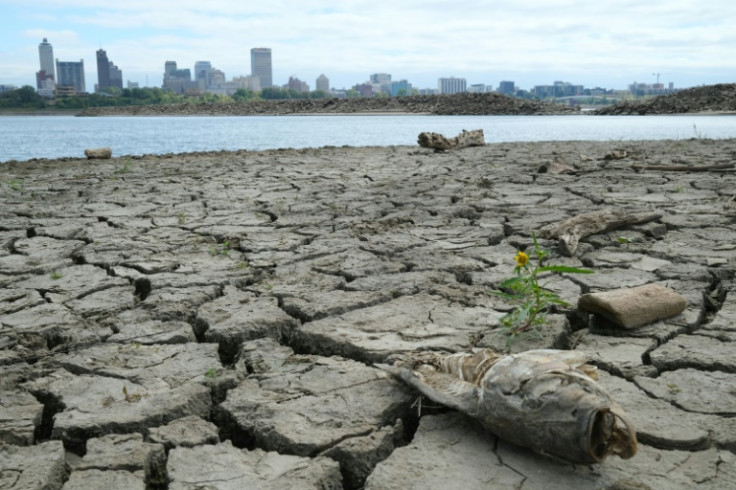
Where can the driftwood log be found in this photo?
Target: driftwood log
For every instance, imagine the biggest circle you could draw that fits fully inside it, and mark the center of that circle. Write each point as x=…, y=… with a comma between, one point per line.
x=98, y=153
x=634, y=307
x=439, y=142
x=570, y=231
x=546, y=400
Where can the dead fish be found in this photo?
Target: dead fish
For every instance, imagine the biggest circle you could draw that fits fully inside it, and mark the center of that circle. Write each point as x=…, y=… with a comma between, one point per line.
x=546, y=400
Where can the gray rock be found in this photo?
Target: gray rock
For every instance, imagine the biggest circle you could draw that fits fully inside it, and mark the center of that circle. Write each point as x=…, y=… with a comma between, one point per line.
x=34, y=467
x=187, y=431
x=20, y=417
x=227, y=468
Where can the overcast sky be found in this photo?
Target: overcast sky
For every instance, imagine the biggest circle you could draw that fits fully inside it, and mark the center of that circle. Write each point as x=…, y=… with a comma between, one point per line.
x=594, y=43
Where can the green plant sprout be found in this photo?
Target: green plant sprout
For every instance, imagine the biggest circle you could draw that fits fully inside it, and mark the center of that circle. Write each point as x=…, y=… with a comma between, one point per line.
x=533, y=300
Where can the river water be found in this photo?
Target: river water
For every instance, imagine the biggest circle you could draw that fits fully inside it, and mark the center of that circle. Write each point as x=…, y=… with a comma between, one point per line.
x=27, y=137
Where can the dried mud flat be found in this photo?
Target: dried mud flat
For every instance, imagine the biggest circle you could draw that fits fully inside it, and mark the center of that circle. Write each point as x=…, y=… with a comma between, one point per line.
x=210, y=320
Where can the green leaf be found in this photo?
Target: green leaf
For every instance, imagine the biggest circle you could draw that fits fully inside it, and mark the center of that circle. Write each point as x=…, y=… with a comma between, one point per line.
x=564, y=268
x=509, y=283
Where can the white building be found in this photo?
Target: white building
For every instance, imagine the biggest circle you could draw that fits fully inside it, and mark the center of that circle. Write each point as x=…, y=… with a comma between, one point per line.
x=323, y=83
x=451, y=85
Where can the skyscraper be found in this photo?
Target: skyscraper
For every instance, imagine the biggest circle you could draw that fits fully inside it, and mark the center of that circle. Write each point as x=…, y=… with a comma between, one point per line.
x=260, y=66
x=71, y=74
x=203, y=74
x=103, y=70
x=108, y=73
x=46, y=76
x=323, y=83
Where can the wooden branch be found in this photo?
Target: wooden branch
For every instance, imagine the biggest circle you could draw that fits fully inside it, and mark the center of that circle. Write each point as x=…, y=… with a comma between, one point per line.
x=570, y=231
x=440, y=143
x=683, y=168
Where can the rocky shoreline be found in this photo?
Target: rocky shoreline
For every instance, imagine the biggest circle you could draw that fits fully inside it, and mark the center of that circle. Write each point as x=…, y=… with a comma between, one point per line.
x=211, y=320
x=458, y=104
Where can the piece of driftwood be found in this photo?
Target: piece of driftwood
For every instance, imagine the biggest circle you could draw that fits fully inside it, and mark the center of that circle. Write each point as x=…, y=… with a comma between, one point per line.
x=570, y=231
x=439, y=142
x=634, y=307
x=683, y=168
x=546, y=400
x=98, y=153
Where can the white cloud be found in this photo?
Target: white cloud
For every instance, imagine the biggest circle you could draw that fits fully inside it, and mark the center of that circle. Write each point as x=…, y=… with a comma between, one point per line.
x=478, y=39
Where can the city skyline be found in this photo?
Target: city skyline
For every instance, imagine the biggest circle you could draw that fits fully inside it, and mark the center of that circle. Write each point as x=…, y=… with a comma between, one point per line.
x=611, y=44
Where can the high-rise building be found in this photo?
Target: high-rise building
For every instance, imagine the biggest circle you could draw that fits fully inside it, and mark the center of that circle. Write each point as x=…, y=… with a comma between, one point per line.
x=116, y=76
x=46, y=76
x=179, y=81
x=203, y=74
x=108, y=73
x=260, y=66
x=451, y=85
x=402, y=87
x=507, y=87
x=71, y=74
x=323, y=83
x=103, y=70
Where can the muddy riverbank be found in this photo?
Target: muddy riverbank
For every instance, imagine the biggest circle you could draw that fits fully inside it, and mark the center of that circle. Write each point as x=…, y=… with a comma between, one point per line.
x=211, y=320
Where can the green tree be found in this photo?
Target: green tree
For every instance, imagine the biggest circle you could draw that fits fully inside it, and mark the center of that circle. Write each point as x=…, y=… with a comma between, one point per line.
x=242, y=94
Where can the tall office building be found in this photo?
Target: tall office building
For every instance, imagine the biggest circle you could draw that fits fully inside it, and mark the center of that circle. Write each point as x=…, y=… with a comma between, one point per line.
x=451, y=85
x=108, y=73
x=260, y=66
x=203, y=74
x=103, y=70
x=46, y=76
x=116, y=76
x=71, y=74
x=323, y=83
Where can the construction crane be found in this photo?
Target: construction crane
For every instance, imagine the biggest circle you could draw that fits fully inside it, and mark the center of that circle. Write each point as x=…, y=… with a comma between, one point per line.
x=656, y=75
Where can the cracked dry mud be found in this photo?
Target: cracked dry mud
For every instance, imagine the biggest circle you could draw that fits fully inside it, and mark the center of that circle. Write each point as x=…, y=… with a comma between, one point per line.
x=210, y=320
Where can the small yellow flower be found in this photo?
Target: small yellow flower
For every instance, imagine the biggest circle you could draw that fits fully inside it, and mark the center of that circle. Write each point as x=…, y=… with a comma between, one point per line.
x=521, y=259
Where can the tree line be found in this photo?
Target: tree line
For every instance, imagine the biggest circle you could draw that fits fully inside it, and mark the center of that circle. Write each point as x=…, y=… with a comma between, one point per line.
x=26, y=97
